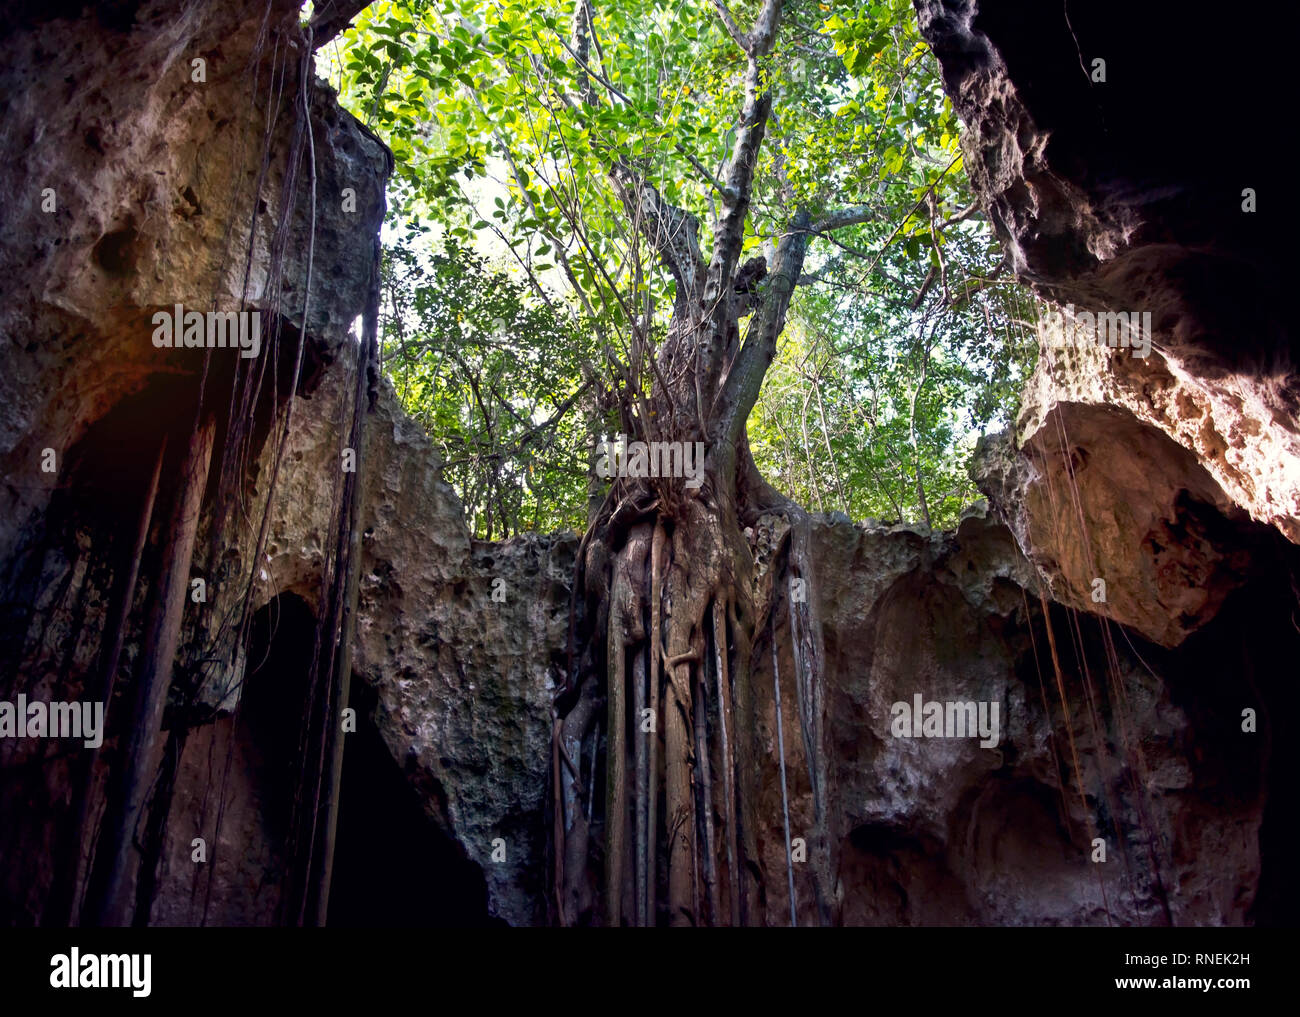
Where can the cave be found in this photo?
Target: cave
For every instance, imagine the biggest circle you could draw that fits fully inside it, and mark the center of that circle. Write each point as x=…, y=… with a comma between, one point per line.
x=382, y=697
x=394, y=867
x=271, y=709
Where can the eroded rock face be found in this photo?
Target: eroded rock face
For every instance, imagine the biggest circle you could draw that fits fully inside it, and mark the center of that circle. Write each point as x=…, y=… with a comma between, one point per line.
x=144, y=170
x=131, y=189
x=1240, y=423
x=1120, y=521
x=944, y=831
x=1099, y=183
x=464, y=643
x=154, y=178
x=459, y=641
x=459, y=644
x=920, y=830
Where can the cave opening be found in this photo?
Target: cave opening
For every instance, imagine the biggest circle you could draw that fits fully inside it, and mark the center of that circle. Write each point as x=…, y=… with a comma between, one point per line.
x=393, y=866
x=1221, y=677
x=397, y=863
x=282, y=637
x=235, y=777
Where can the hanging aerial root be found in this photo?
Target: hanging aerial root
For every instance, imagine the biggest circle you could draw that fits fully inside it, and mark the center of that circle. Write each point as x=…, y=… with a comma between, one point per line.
x=558, y=838
x=626, y=631
x=679, y=802
x=616, y=756
x=640, y=753
x=1074, y=751
x=571, y=824
x=725, y=722
x=655, y=638
x=710, y=873
x=785, y=795
x=808, y=653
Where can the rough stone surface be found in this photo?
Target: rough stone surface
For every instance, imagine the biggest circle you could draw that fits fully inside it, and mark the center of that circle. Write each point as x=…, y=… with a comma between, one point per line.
x=1119, y=520
x=1106, y=198
x=464, y=642
x=153, y=176
x=133, y=186
x=461, y=640
x=942, y=831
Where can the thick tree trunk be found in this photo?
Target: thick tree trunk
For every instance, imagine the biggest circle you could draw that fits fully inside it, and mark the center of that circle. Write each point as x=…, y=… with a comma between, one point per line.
x=703, y=606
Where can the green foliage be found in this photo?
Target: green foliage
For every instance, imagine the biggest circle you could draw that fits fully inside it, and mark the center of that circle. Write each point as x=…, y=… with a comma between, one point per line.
x=490, y=375
x=837, y=429
x=913, y=343
x=503, y=139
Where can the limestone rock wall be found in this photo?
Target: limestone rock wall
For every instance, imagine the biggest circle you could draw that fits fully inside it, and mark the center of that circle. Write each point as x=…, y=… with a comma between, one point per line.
x=1114, y=187
x=146, y=149
x=943, y=831
x=459, y=644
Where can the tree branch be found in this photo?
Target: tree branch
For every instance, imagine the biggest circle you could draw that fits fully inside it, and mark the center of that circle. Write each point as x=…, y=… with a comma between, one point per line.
x=738, y=190
x=763, y=34
x=729, y=23
x=332, y=18
x=741, y=387
x=622, y=96
x=850, y=215
x=671, y=232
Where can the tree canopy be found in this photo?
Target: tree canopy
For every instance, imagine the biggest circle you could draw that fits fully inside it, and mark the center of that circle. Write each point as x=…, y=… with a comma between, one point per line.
x=523, y=298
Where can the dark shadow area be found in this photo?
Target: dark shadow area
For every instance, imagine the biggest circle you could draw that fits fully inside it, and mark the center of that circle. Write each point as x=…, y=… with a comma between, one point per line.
x=1246, y=659
x=393, y=867
x=279, y=669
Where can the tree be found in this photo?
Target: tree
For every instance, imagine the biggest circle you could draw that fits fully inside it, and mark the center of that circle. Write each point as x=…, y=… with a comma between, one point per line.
x=494, y=379
x=673, y=167
x=670, y=565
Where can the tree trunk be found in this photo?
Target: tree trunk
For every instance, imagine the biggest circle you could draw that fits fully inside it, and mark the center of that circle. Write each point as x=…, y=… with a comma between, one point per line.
x=695, y=609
